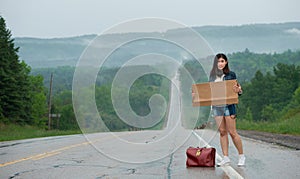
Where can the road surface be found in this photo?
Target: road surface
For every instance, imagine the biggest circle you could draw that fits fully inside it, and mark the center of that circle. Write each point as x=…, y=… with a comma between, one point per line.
x=74, y=157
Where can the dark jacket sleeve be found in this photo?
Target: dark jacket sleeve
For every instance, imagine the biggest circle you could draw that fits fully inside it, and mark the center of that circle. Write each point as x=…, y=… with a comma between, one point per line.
x=231, y=76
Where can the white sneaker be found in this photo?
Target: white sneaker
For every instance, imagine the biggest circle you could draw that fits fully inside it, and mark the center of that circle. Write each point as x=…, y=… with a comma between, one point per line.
x=242, y=159
x=224, y=162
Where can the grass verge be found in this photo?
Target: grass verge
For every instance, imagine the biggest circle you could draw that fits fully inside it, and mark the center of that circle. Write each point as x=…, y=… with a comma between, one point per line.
x=283, y=126
x=15, y=132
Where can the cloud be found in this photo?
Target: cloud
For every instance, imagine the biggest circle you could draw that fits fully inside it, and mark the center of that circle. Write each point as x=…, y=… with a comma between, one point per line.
x=293, y=31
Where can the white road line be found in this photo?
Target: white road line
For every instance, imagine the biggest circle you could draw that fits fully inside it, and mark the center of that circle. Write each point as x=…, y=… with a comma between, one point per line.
x=231, y=173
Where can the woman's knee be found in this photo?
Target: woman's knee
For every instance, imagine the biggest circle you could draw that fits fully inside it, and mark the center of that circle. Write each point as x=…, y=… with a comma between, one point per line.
x=223, y=132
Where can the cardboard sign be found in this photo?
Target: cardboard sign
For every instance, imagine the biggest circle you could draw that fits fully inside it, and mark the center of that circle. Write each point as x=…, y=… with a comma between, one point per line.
x=214, y=93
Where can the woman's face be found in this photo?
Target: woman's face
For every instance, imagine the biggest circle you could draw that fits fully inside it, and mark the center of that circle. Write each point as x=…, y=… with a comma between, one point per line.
x=221, y=63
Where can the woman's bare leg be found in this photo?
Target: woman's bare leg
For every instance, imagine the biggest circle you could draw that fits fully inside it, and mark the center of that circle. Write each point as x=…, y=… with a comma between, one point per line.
x=220, y=121
x=231, y=128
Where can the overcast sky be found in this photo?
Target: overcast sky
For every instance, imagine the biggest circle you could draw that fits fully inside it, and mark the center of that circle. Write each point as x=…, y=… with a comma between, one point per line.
x=65, y=18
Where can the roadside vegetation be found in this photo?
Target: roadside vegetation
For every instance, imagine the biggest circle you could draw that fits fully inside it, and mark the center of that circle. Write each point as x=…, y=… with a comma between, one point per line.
x=289, y=125
x=17, y=132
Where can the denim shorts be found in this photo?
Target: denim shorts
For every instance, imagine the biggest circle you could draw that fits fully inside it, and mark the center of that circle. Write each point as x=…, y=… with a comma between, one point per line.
x=226, y=110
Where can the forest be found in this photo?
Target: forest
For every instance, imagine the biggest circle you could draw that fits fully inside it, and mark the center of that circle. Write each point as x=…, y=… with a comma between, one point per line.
x=270, y=83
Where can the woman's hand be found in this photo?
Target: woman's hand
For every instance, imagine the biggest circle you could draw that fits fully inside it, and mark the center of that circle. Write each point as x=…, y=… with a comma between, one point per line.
x=193, y=94
x=237, y=88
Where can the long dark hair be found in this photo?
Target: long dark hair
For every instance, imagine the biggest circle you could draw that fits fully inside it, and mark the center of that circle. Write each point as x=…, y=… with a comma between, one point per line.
x=215, y=71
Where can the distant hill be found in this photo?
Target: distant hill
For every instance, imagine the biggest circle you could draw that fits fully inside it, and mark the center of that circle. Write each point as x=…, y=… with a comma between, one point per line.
x=52, y=52
x=259, y=38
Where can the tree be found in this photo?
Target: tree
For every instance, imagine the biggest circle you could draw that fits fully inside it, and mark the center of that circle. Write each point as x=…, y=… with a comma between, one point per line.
x=38, y=106
x=62, y=104
x=15, y=96
x=268, y=113
x=294, y=106
x=248, y=115
x=255, y=96
x=267, y=95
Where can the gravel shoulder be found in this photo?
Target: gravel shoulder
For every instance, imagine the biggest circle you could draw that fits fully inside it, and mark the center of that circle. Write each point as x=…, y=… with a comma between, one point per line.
x=286, y=140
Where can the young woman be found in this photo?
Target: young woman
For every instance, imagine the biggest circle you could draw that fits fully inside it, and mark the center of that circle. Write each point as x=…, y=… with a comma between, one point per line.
x=225, y=115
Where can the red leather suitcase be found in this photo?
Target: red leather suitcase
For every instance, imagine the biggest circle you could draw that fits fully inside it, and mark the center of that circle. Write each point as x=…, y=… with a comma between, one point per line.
x=200, y=157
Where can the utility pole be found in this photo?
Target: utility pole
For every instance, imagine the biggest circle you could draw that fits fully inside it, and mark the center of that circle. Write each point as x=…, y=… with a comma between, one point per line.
x=49, y=104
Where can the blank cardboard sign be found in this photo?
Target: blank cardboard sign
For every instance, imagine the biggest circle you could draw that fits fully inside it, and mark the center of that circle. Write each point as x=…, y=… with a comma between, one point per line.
x=214, y=93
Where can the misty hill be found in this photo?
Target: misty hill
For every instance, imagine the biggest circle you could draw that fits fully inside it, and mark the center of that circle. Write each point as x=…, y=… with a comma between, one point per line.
x=259, y=38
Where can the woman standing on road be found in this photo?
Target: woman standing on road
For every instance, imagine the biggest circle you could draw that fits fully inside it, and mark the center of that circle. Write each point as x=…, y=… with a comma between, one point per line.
x=225, y=115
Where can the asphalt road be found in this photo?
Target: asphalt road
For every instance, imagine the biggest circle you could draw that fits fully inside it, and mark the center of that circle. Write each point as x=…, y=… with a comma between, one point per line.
x=75, y=157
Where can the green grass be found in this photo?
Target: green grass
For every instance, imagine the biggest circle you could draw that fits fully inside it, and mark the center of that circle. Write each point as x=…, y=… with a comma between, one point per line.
x=16, y=132
x=290, y=125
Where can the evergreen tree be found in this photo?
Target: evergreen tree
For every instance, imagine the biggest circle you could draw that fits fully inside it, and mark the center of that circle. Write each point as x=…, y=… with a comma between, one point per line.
x=267, y=95
x=14, y=106
x=255, y=97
